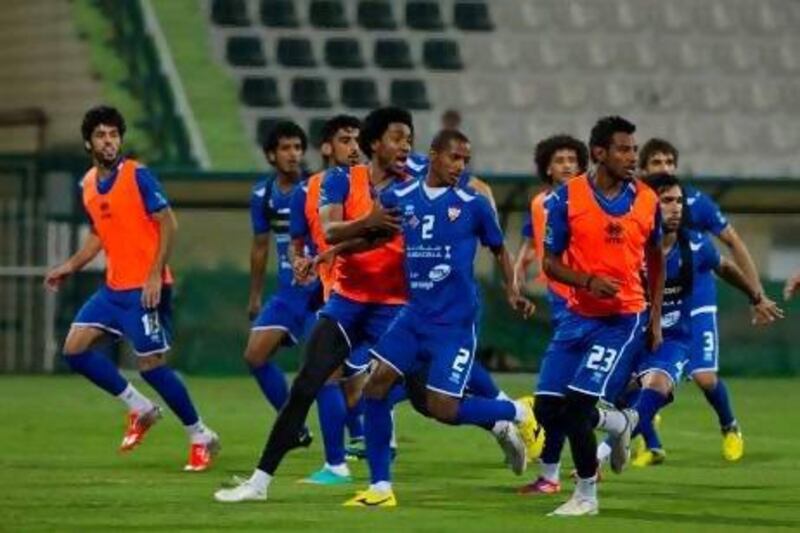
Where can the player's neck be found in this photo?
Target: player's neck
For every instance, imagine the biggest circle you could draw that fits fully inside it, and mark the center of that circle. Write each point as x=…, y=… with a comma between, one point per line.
x=669, y=240
x=285, y=182
x=379, y=177
x=605, y=184
x=103, y=170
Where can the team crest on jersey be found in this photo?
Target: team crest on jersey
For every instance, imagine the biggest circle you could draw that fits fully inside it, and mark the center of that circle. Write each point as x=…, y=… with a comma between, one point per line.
x=614, y=232
x=453, y=213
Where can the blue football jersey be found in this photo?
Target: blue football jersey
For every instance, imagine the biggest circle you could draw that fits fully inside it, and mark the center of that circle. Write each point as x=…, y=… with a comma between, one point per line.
x=270, y=213
x=417, y=168
x=678, y=295
x=704, y=216
x=442, y=229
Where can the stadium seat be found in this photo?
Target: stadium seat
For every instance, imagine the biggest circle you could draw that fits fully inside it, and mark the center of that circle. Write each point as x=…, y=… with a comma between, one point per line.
x=442, y=54
x=343, y=52
x=279, y=14
x=229, y=13
x=243, y=51
x=422, y=15
x=261, y=92
x=311, y=93
x=359, y=93
x=410, y=94
x=315, y=126
x=295, y=52
x=376, y=15
x=327, y=14
x=472, y=16
x=393, y=54
x=265, y=126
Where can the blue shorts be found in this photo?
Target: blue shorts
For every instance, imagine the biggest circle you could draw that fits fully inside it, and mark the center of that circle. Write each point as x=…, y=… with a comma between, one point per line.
x=670, y=359
x=289, y=310
x=704, y=353
x=447, y=350
x=121, y=314
x=361, y=323
x=595, y=356
x=358, y=361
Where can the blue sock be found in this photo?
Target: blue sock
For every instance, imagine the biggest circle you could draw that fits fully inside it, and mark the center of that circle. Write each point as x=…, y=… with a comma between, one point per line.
x=272, y=382
x=98, y=369
x=553, y=445
x=332, y=411
x=166, y=382
x=481, y=411
x=378, y=433
x=481, y=383
x=355, y=420
x=630, y=397
x=721, y=402
x=649, y=403
x=397, y=394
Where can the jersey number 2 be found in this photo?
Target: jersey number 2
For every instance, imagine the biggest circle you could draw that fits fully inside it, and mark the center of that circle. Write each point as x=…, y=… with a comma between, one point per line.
x=427, y=226
x=460, y=363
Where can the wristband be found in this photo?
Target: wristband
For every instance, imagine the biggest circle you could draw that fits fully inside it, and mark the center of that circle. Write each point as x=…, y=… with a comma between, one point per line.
x=757, y=300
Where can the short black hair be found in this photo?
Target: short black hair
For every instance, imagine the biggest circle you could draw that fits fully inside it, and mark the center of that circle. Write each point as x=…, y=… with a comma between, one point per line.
x=339, y=122
x=441, y=141
x=605, y=128
x=656, y=146
x=377, y=122
x=546, y=149
x=102, y=114
x=660, y=181
x=284, y=130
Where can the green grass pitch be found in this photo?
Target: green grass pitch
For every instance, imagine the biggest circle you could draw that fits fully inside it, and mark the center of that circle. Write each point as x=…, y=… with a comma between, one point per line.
x=59, y=469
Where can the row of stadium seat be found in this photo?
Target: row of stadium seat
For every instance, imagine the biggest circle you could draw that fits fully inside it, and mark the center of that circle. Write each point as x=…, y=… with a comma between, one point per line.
x=343, y=53
x=312, y=93
x=423, y=15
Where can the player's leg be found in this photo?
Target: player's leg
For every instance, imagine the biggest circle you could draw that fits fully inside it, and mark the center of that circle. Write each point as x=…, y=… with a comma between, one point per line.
x=356, y=372
x=656, y=393
x=98, y=320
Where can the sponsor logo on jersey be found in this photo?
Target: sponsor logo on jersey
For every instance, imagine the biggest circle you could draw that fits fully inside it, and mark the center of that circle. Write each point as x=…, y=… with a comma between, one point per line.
x=439, y=272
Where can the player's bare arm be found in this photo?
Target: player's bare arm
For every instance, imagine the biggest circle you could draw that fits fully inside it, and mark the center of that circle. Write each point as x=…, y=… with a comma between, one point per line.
x=656, y=273
x=516, y=300
x=302, y=264
x=379, y=220
x=599, y=286
x=763, y=310
x=483, y=188
x=167, y=227
x=80, y=259
x=741, y=255
x=259, y=254
x=792, y=286
x=526, y=256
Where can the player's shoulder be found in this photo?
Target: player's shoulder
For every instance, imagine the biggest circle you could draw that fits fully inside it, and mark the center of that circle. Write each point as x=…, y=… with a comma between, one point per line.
x=261, y=186
x=403, y=189
x=416, y=162
x=698, y=240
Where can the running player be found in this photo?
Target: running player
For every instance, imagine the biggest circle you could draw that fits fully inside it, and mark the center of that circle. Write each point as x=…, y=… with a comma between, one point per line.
x=704, y=215
x=558, y=159
x=288, y=312
x=133, y=225
x=602, y=232
x=689, y=254
x=442, y=225
x=369, y=287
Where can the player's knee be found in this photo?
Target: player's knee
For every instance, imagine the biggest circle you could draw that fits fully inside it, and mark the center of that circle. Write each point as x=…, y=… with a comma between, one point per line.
x=443, y=408
x=705, y=380
x=549, y=410
x=260, y=347
x=78, y=341
x=354, y=389
x=380, y=381
x=658, y=382
x=149, y=362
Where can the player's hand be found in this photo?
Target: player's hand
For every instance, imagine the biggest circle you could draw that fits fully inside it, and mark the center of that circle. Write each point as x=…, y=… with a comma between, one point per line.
x=520, y=303
x=325, y=257
x=603, y=287
x=303, y=269
x=151, y=292
x=654, y=334
x=56, y=276
x=383, y=219
x=253, y=307
x=792, y=286
x=765, y=312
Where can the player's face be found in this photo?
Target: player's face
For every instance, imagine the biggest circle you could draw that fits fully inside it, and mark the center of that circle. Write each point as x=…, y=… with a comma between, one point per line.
x=105, y=144
x=620, y=158
x=392, y=149
x=671, y=203
x=660, y=162
x=563, y=166
x=448, y=165
x=287, y=156
x=343, y=149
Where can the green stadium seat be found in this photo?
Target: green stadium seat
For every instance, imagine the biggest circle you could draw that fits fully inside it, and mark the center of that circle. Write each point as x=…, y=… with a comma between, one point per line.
x=229, y=13
x=422, y=15
x=393, y=54
x=279, y=14
x=359, y=93
x=442, y=54
x=265, y=126
x=295, y=52
x=327, y=14
x=472, y=16
x=315, y=126
x=245, y=52
x=311, y=93
x=343, y=52
x=261, y=92
x=376, y=15
x=410, y=94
